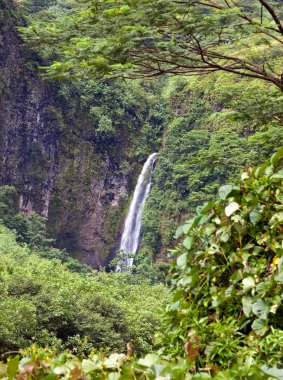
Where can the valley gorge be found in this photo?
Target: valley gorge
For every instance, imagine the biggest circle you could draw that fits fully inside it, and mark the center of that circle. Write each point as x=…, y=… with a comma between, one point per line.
x=141, y=197
x=73, y=149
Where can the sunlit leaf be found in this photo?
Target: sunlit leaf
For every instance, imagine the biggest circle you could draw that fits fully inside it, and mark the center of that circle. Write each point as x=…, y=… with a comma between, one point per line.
x=188, y=242
x=247, y=305
x=182, y=261
x=248, y=284
x=231, y=208
x=260, y=309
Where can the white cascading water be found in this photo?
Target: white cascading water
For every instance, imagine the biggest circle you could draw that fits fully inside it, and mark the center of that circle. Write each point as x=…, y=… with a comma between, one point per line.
x=132, y=229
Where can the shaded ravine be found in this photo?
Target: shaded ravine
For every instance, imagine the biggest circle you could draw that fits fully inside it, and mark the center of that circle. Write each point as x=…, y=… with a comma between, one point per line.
x=132, y=228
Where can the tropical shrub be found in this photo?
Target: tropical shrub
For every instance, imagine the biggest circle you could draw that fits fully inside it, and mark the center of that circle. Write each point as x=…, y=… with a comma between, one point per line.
x=224, y=321
x=36, y=363
x=227, y=279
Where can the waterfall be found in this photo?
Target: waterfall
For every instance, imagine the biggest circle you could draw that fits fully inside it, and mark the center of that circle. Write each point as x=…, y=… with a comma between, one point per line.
x=132, y=228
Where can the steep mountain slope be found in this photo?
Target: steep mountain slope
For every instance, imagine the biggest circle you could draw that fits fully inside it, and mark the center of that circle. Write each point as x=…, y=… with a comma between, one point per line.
x=73, y=148
x=67, y=159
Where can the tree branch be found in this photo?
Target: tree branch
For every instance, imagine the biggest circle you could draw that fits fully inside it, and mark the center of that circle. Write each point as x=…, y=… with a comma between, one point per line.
x=273, y=14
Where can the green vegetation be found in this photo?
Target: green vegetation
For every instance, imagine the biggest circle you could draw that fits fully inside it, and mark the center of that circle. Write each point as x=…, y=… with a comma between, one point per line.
x=32, y=231
x=46, y=302
x=42, y=364
x=227, y=279
x=205, y=128
x=97, y=154
x=138, y=38
x=223, y=318
x=43, y=302
x=216, y=130
x=227, y=297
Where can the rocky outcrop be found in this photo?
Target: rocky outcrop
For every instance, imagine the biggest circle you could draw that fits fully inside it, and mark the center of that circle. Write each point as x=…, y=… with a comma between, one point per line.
x=87, y=205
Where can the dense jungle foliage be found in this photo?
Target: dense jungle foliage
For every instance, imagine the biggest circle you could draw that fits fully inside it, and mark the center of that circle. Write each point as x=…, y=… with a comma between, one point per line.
x=44, y=302
x=223, y=316
x=205, y=128
x=227, y=298
x=105, y=116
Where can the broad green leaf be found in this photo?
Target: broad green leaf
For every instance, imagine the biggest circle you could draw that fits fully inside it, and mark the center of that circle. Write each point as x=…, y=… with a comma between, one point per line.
x=204, y=219
x=188, y=226
x=224, y=191
x=229, y=291
x=276, y=220
x=217, y=220
x=24, y=361
x=276, y=157
x=260, y=170
x=278, y=175
x=206, y=207
x=275, y=372
x=248, y=284
x=182, y=261
x=247, y=305
x=279, y=278
x=276, y=302
x=114, y=361
x=216, y=300
x=280, y=262
x=244, y=176
x=224, y=237
x=91, y=365
x=231, y=208
x=210, y=229
x=237, y=276
x=179, y=232
x=257, y=250
x=248, y=246
x=157, y=369
x=185, y=281
x=13, y=367
x=113, y=376
x=61, y=370
x=260, y=326
x=255, y=217
x=260, y=309
x=263, y=287
x=175, y=306
x=148, y=360
x=188, y=242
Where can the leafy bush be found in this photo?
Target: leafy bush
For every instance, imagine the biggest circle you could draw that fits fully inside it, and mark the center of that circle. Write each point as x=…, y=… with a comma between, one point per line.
x=218, y=126
x=228, y=276
x=225, y=320
x=43, y=364
x=42, y=301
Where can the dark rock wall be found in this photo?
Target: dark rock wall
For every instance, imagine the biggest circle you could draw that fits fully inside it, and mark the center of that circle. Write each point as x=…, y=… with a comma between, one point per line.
x=29, y=135
x=80, y=191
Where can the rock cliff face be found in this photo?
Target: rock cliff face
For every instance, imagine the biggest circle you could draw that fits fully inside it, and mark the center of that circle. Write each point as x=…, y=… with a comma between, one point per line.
x=29, y=136
x=87, y=204
x=80, y=191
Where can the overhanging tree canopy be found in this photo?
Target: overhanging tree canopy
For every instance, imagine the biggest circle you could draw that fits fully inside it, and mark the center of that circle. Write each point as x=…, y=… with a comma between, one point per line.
x=142, y=38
